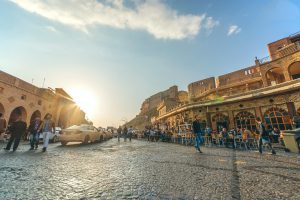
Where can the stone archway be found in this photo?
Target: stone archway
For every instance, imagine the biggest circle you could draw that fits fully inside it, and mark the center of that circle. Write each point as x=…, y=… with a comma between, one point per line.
x=294, y=70
x=2, y=110
x=18, y=110
x=275, y=76
x=35, y=114
x=279, y=118
x=245, y=119
x=219, y=121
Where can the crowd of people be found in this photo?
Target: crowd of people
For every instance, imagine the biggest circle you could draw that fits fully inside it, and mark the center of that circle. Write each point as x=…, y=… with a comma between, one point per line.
x=18, y=128
x=200, y=135
x=228, y=138
x=125, y=133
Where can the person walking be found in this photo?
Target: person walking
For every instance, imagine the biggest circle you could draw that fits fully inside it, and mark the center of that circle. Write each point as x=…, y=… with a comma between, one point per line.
x=125, y=131
x=16, y=130
x=3, y=126
x=263, y=136
x=33, y=130
x=197, y=130
x=130, y=133
x=119, y=131
x=46, y=128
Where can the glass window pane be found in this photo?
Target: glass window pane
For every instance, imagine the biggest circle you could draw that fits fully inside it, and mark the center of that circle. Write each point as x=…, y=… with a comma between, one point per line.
x=288, y=126
x=273, y=120
x=268, y=121
x=281, y=126
x=280, y=120
x=285, y=114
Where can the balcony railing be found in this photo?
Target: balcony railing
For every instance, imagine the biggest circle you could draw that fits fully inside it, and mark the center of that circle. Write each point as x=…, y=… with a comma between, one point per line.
x=264, y=60
x=285, y=51
x=289, y=49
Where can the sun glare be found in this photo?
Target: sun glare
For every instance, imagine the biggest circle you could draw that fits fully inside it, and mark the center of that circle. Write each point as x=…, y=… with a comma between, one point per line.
x=86, y=100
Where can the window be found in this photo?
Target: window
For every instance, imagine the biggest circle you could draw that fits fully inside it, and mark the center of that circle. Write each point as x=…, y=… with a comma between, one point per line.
x=245, y=120
x=279, y=118
x=23, y=97
x=1, y=90
x=39, y=102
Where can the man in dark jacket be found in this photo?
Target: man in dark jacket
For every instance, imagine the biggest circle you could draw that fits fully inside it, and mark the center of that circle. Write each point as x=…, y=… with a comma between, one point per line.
x=16, y=130
x=197, y=130
x=125, y=131
x=119, y=131
x=34, y=133
x=263, y=136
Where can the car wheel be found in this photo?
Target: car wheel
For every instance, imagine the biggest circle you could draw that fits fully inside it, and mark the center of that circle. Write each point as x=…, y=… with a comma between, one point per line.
x=63, y=143
x=86, y=139
x=55, y=139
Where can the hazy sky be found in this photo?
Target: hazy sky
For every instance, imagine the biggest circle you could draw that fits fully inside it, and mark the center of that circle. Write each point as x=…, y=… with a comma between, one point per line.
x=112, y=54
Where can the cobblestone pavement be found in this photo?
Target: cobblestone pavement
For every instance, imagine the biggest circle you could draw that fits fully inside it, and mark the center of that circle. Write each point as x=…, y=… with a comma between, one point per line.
x=142, y=170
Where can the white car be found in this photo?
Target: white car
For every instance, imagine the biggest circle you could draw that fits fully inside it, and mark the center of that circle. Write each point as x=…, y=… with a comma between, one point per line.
x=84, y=133
x=53, y=137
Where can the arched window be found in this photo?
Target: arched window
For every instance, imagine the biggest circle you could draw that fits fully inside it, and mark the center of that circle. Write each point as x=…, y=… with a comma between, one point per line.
x=245, y=119
x=277, y=117
x=275, y=76
x=294, y=70
x=221, y=120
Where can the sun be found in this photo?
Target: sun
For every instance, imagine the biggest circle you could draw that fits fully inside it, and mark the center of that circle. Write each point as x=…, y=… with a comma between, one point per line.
x=86, y=100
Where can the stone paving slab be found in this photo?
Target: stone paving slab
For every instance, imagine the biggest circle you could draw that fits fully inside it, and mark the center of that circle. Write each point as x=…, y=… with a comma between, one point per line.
x=143, y=170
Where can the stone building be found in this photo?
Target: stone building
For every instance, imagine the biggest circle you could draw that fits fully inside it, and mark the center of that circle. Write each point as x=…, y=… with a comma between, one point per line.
x=169, y=99
x=17, y=95
x=269, y=89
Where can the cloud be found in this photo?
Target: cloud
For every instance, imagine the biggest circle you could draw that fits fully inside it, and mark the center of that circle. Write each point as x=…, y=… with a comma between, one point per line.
x=209, y=24
x=51, y=28
x=152, y=16
x=233, y=30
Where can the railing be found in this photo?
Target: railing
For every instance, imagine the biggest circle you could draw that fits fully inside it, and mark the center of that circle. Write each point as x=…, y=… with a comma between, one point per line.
x=285, y=51
x=289, y=49
x=264, y=60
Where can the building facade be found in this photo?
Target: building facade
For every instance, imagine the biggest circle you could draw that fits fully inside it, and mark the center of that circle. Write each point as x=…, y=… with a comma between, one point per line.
x=169, y=99
x=17, y=95
x=270, y=89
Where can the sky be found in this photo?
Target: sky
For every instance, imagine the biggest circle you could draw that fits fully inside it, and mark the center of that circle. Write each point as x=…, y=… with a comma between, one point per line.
x=110, y=55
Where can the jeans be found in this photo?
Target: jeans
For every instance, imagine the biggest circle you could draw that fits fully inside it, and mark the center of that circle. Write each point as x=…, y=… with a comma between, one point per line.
x=260, y=143
x=198, y=140
x=13, y=139
x=46, y=136
x=34, y=139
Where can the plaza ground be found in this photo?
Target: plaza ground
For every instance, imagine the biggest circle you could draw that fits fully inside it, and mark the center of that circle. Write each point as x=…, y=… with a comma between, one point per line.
x=143, y=170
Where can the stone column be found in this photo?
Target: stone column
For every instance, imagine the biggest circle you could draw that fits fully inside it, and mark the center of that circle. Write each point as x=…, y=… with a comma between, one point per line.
x=287, y=76
x=208, y=119
x=231, y=119
x=264, y=79
x=258, y=113
x=291, y=109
